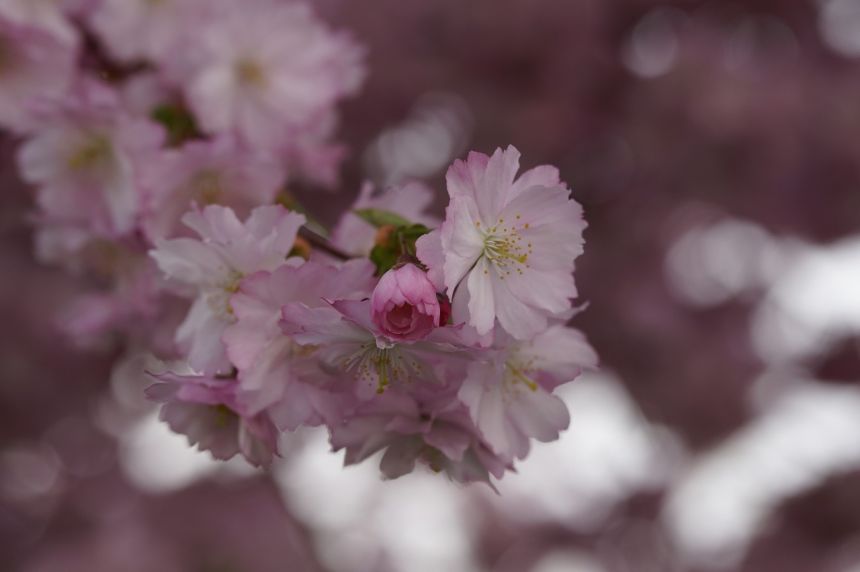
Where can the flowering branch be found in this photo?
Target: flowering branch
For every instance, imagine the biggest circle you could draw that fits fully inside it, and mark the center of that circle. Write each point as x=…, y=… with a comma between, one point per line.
x=438, y=342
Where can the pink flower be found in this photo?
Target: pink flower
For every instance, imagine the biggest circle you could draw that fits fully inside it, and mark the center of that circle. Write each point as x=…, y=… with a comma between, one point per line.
x=50, y=17
x=432, y=429
x=143, y=92
x=507, y=247
x=347, y=342
x=145, y=29
x=267, y=71
x=203, y=173
x=86, y=156
x=34, y=63
x=404, y=304
x=274, y=372
x=206, y=411
x=210, y=270
x=129, y=303
x=508, y=390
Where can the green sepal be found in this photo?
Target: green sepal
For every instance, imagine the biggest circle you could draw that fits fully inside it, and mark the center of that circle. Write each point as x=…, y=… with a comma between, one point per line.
x=384, y=258
x=399, y=246
x=178, y=122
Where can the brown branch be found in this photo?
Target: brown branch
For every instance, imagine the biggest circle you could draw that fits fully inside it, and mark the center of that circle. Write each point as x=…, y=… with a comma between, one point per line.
x=320, y=243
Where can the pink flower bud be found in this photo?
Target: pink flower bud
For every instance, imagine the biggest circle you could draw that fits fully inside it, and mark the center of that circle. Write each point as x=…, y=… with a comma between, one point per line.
x=404, y=304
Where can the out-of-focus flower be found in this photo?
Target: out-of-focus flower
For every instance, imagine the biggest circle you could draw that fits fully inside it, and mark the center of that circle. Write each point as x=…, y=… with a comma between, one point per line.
x=33, y=64
x=311, y=154
x=142, y=93
x=49, y=16
x=204, y=173
x=146, y=29
x=86, y=157
x=274, y=372
x=129, y=305
x=509, y=390
x=410, y=200
x=404, y=304
x=434, y=430
x=507, y=247
x=205, y=409
x=212, y=267
x=268, y=72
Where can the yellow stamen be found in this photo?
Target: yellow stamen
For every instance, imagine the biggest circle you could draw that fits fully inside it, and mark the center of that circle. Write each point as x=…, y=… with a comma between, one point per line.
x=250, y=73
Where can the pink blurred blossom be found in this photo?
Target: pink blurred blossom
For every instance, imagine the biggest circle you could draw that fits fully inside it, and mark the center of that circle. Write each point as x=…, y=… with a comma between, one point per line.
x=86, y=156
x=146, y=29
x=203, y=173
x=268, y=72
x=50, y=17
x=34, y=63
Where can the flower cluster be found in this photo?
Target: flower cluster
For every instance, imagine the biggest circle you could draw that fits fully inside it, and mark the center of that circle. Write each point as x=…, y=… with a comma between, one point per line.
x=160, y=161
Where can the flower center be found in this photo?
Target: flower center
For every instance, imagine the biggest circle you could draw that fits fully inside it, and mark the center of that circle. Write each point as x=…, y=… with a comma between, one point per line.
x=517, y=375
x=96, y=151
x=250, y=73
x=383, y=366
x=224, y=416
x=206, y=187
x=505, y=247
x=401, y=316
x=219, y=298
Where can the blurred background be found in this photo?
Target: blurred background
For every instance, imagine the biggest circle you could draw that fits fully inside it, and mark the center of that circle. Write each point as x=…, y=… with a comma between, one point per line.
x=716, y=149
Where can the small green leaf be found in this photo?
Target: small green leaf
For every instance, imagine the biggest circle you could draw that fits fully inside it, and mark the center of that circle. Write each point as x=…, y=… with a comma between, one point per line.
x=178, y=122
x=413, y=232
x=380, y=218
x=384, y=257
x=398, y=246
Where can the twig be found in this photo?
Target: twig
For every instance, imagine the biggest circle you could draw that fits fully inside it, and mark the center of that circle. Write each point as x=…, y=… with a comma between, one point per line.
x=320, y=243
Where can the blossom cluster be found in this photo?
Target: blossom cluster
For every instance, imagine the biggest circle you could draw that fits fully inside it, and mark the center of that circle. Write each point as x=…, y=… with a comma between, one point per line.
x=161, y=162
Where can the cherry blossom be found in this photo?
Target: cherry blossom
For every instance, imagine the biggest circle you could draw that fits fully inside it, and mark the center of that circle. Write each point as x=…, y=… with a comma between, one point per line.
x=274, y=372
x=268, y=71
x=506, y=249
x=212, y=267
x=86, y=157
x=204, y=173
x=164, y=140
x=349, y=342
x=432, y=430
x=206, y=410
x=509, y=390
